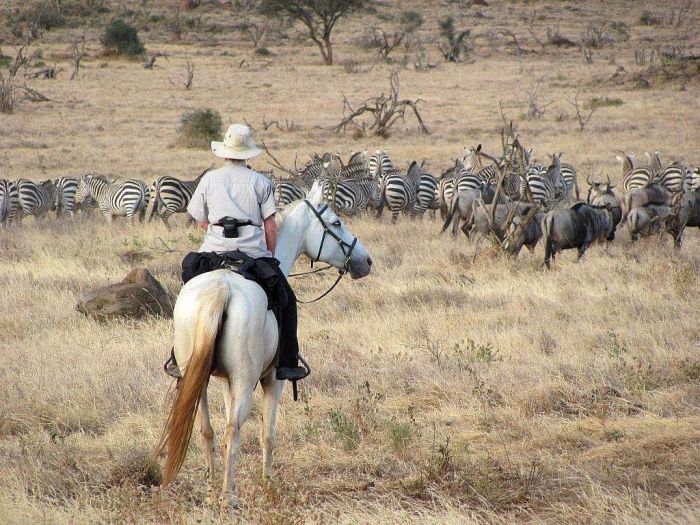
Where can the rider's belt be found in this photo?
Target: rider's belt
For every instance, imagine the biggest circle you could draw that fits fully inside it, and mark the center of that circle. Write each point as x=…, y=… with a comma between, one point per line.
x=231, y=225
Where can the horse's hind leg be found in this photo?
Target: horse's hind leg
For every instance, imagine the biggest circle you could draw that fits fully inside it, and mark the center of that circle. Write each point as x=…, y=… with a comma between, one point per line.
x=272, y=391
x=207, y=442
x=240, y=404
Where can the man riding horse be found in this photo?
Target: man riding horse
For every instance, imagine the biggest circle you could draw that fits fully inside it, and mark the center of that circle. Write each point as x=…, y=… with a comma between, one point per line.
x=235, y=206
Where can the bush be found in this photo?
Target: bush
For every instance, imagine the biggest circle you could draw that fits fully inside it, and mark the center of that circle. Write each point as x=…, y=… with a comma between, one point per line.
x=45, y=16
x=263, y=52
x=603, y=102
x=198, y=128
x=649, y=19
x=122, y=39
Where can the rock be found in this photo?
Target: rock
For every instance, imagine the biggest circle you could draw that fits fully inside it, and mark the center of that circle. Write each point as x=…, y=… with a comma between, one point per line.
x=138, y=295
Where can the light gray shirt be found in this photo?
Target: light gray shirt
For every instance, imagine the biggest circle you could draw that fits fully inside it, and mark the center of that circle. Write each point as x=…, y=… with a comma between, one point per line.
x=239, y=192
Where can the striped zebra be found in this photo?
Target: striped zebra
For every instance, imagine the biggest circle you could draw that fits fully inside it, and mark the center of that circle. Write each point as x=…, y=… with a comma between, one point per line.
x=115, y=199
x=634, y=178
x=446, y=188
x=654, y=162
x=398, y=192
x=9, y=202
x=35, y=199
x=170, y=195
x=692, y=180
x=568, y=175
x=545, y=184
x=65, y=195
x=672, y=177
x=426, y=195
x=379, y=164
x=351, y=196
x=287, y=191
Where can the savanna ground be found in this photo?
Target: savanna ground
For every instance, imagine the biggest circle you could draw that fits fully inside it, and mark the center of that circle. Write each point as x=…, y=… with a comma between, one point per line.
x=452, y=385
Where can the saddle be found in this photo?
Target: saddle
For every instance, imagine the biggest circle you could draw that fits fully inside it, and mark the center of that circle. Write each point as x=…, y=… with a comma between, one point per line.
x=263, y=270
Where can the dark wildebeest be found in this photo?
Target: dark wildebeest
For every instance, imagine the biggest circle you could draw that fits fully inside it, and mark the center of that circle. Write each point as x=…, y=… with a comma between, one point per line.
x=685, y=212
x=652, y=194
x=533, y=230
x=646, y=220
x=601, y=194
x=576, y=227
x=462, y=207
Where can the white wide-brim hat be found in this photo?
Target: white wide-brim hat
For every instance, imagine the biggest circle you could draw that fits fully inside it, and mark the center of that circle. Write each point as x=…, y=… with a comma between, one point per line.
x=238, y=143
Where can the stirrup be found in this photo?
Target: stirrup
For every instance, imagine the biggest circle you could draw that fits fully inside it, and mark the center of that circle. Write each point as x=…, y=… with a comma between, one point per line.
x=170, y=367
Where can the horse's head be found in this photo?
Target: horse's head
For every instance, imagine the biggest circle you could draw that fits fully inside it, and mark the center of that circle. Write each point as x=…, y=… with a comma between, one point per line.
x=328, y=239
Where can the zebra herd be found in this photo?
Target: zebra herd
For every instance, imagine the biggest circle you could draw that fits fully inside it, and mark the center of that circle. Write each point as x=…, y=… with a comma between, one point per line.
x=373, y=183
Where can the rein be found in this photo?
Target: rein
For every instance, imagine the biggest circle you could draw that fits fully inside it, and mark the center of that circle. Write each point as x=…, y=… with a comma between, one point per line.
x=344, y=246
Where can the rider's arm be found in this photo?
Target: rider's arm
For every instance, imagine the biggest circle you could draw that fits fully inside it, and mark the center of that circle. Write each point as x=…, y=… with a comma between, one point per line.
x=270, y=233
x=203, y=225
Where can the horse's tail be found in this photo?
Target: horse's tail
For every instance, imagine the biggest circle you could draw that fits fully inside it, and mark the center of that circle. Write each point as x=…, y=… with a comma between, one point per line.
x=194, y=381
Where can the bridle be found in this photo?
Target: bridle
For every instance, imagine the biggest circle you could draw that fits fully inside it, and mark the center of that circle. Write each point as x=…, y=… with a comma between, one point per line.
x=346, y=248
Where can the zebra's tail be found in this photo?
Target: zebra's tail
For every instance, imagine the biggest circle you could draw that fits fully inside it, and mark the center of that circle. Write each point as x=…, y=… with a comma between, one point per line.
x=450, y=212
x=547, y=222
x=153, y=201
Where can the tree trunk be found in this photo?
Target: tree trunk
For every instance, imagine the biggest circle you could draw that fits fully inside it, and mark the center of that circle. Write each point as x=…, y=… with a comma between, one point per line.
x=329, y=51
x=326, y=60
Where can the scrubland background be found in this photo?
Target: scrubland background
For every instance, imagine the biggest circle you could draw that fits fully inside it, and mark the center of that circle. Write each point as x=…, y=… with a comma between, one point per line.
x=451, y=385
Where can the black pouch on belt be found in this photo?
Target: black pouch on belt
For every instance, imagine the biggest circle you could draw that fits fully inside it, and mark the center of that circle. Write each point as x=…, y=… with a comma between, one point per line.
x=231, y=225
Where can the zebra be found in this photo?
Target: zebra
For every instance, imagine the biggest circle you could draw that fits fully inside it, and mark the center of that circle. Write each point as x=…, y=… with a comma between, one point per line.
x=9, y=202
x=119, y=199
x=171, y=195
x=35, y=199
x=654, y=162
x=568, y=175
x=634, y=178
x=672, y=177
x=545, y=184
x=287, y=191
x=426, y=195
x=692, y=179
x=379, y=164
x=398, y=192
x=351, y=196
x=65, y=195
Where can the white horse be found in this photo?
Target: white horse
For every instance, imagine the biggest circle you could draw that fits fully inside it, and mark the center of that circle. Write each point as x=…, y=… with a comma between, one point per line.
x=223, y=328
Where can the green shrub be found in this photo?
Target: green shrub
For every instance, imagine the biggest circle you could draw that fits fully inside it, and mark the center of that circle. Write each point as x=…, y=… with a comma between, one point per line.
x=603, y=102
x=649, y=19
x=122, y=39
x=263, y=52
x=198, y=128
x=345, y=428
x=45, y=16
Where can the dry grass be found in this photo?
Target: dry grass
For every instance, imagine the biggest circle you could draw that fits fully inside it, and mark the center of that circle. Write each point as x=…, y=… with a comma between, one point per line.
x=449, y=386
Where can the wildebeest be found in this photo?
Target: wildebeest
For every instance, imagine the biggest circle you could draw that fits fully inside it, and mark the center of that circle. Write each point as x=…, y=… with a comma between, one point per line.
x=462, y=207
x=685, y=212
x=601, y=194
x=646, y=220
x=482, y=222
x=576, y=227
x=651, y=194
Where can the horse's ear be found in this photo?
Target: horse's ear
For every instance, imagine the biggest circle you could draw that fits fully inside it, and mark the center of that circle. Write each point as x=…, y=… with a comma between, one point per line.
x=315, y=195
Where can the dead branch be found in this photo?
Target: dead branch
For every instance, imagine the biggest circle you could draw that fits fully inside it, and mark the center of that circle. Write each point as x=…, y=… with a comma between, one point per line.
x=275, y=163
x=77, y=54
x=385, y=111
x=582, y=119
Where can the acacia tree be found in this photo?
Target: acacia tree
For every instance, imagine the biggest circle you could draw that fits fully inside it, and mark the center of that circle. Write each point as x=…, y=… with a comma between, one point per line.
x=319, y=17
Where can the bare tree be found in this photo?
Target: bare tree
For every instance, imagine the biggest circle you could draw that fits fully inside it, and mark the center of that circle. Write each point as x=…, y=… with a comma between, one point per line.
x=387, y=42
x=583, y=119
x=256, y=31
x=77, y=54
x=455, y=43
x=385, y=111
x=12, y=89
x=534, y=108
x=319, y=17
